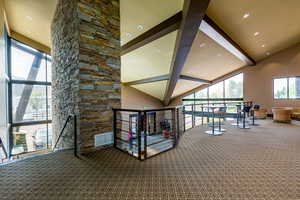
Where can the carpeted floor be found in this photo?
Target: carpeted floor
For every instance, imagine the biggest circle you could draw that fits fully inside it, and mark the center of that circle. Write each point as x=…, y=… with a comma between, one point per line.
x=260, y=163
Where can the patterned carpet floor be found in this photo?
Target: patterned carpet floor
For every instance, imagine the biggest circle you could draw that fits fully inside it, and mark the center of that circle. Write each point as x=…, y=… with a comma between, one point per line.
x=259, y=163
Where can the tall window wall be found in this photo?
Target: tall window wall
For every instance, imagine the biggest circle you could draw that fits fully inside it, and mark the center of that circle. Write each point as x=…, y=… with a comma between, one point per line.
x=230, y=89
x=30, y=90
x=4, y=124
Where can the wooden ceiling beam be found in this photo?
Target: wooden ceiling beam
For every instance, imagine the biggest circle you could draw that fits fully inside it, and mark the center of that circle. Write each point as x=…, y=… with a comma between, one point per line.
x=189, y=78
x=149, y=80
x=169, y=25
x=193, y=13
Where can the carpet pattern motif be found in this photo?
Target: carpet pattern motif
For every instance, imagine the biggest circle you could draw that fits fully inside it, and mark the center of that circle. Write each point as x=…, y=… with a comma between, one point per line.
x=259, y=163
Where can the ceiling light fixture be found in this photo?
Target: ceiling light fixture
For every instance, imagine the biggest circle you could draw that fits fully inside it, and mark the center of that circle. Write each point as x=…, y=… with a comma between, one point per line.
x=246, y=15
x=140, y=27
x=268, y=53
x=219, y=55
x=202, y=45
x=129, y=35
x=29, y=18
x=263, y=46
x=256, y=33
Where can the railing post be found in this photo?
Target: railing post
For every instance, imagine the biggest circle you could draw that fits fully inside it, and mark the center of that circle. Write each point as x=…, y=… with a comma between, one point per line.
x=183, y=112
x=115, y=127
x=140, y=125
x=193, y=116
x=178, y=126
x=75, y=136
x=202, y=114
x=174, y=127
x=145, y=134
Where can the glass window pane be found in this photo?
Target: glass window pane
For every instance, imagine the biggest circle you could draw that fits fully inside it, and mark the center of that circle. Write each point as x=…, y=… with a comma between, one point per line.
x=49, y=69
x=29, y=138
x=29, y=102
x=201, y=94
x=294, y=88
x=49, y=89
x=191, y=96
x=234, y=87
x=216, y=91
x=280, y=88
x=26, y=66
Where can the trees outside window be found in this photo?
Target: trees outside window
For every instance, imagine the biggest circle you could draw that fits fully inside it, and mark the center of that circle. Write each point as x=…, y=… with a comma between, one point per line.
x=234, y=87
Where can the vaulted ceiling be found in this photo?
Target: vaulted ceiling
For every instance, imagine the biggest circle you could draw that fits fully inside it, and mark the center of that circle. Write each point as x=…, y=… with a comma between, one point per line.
x=259, y=27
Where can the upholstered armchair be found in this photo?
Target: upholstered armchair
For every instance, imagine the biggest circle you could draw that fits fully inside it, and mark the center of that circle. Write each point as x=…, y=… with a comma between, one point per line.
x=296, y=113
x=282, y=114
x=260, y=113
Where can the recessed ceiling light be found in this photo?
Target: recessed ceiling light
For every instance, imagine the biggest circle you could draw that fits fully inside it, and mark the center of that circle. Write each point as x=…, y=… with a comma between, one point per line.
x=29, y=18
x=263, y=46
x=140, y=27
x=202, y=45
x=268, y=53
x=246, y=15
x=219, y=55
x=129, y=35
x=256, y=33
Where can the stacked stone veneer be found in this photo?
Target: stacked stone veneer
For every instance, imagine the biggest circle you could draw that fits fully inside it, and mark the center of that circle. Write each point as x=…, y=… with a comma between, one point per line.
x=86, y=67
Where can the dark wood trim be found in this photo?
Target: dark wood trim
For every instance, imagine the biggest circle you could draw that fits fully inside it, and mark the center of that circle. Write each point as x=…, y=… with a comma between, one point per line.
x=193, y=13
x=189, y=78
x=149, y=80
x=169, y=25
x=210, y=22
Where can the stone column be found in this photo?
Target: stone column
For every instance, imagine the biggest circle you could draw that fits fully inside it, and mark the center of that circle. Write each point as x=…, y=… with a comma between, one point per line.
x=86, y=68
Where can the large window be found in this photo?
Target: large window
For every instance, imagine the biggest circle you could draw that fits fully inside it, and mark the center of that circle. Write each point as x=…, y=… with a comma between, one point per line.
x=30, y=99
x=228, y=92
x=231, y=88
x=287, y=88
x=234, y=87
x=4, y=135
x=216, y=90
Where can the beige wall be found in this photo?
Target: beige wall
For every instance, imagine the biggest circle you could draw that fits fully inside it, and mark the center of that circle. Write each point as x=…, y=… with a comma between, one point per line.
x=258, y=80
x=134, y=99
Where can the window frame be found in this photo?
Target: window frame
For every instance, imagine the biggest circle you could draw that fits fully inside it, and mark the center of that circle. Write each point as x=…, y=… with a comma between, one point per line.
x=47, y=83
x=208, y=99
x=288, y=88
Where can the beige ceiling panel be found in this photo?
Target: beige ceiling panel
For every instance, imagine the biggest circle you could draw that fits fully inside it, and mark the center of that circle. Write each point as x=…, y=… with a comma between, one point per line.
x=151, y=60
x=184, y=86
x=155, y=89
x=260, y=27
x=208, y=60
x=138, y=16
x=31, y=18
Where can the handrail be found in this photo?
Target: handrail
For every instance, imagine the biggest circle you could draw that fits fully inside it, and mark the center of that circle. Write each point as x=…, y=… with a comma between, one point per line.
x=75, y=133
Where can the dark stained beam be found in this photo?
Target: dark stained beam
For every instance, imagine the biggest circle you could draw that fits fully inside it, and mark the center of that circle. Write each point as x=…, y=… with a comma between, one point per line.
x=192, y=15
x=149, y=80
x=189, y=78
x=169, y=25
x=210, y=28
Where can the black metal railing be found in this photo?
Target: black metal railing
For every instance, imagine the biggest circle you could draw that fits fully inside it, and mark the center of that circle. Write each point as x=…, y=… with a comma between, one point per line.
x=147, y=133
x=69, y=118
x=199, y=114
